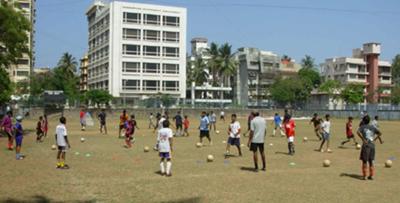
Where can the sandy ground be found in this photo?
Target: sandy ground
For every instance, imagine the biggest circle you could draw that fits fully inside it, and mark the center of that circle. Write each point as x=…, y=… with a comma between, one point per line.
x=103, y=171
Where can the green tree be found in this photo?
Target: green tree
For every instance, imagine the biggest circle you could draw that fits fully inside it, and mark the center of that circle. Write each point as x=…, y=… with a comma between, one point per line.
x=213, y=62
x=289, y=91
x=198, y=74
x=310, y=76
x=353, y=93
x=308, y=62
x=396, y=70
x=332, y=88
x=167, y=100
x=6, y=87
x=65, y=77
x=14, y=28
x=227, y=64
x=98, y=97
x=68, y=64
x=39, y=82
x=395, y=95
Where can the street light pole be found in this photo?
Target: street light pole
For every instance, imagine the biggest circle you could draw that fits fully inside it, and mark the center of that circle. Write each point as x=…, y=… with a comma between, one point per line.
x=124, y=88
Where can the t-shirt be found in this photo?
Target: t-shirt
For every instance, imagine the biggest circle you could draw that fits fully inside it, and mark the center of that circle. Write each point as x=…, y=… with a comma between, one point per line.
x=234, y=130
x=81, y=114
x=18, y=128
x=222, y=113
x=39, y=126
x=213, y=118
x=289, y=128
x=259, y=126
x=349, y=128
x=130, y=127
x=178, y=119
x=315, y=121
x=375, y=124
x=368, y=132
x=277, y=120
x=163, y=137
x=160, y=123
x=122, y=119
x=186, y=123
x=204, y=123
x=61, y=132
x=7, y=124
x=102, y=117
x=326, y=126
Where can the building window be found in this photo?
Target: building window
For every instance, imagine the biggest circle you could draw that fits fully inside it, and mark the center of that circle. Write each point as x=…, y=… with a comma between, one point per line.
x=23, y=62
x=170, y=86
x=151, y=68
x=131, y=84
x=150, y=19
x=24, y=5
x=151, y=85
x=131, y=17
x=22, y=73
x=131, y=67
x=171, y=21
x=171, y=68
x=171, y=51
x=151, y=35
x=171, y=36
x=130, y=33
x=352, y=76
x=129, y=49
x=151, y=51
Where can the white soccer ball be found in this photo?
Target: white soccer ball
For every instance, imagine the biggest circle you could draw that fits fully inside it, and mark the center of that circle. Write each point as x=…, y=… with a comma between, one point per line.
x=146, y=149
x=388, y=163
x=199, y=144
x=223, y=142
x=358, y=146
x=241, y=145
x=217, y=131
x=326, y=163
x=271, y=144
x=53, y=147
x=210, y=158
x=83, y=139
x=305, y=139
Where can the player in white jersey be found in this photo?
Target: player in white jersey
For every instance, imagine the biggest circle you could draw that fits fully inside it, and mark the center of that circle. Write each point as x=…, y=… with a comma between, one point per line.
x=234, y=136
x=164, y=143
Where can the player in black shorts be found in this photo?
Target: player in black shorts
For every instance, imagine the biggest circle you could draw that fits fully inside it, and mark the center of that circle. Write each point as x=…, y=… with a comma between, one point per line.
x=316, y=121
x=102, y=118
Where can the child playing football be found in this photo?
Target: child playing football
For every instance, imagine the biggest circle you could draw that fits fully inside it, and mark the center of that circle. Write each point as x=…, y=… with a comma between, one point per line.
x=129, y=131
x=325, y=128
x=62, y=143
x=164, y=139
x=6, y=123
x=289, y=126
x=186, y=126
x=234, y=136
x=39, y=130
x=18, y=138
x=349, y=132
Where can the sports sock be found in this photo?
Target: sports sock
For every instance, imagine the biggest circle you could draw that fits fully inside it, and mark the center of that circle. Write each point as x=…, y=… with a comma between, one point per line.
x=371, y=171
x=273, y=132
x=162, y=167
x=169, y=165
x=282, y=133
x=364, y=170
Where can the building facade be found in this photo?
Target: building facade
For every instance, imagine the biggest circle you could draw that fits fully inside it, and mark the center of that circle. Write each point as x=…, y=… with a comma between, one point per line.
x=137, y=51
x=256, y=72
x=365, y=68
x=83, y=69
x=24, y=67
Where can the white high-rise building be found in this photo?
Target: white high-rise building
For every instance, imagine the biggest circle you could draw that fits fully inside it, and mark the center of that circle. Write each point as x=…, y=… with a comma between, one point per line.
x=137, y=50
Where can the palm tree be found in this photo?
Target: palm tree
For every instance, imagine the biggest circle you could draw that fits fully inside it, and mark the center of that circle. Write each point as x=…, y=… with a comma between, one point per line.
x=68, y=64
x=308, y=62
x=213, y=62
x=198, y=73
x=227, y=63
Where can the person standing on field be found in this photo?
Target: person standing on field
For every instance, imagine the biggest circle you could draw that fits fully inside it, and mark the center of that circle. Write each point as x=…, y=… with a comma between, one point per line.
x=7, y=125
x=258, y=130
x=368, y=134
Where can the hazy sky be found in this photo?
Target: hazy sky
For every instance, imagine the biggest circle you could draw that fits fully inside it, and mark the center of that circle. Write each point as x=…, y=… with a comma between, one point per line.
x=319, y=28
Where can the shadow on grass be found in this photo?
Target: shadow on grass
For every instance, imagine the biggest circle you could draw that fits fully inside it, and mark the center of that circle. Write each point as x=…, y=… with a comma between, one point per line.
x=41, y=199
x=350, y=175
x=250, y=169
x=284, y=153
x=158, y=173
x=187, y=200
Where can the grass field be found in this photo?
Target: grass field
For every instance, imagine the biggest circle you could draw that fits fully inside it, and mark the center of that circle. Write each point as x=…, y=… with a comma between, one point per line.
x=115, y=174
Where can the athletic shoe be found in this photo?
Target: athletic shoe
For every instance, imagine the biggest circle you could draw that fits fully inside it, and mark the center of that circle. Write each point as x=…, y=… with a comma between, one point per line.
x=370, y=178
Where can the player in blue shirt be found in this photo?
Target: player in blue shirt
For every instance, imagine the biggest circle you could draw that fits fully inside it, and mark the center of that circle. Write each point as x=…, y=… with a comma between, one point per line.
x=18, y=138
x=204, y=130
x=278, y=124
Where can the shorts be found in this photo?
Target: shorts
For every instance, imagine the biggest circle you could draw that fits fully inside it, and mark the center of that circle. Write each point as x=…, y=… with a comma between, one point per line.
x=277, y=125
x=255, y=146
x=212, y=122
x=326, y=135
x=290, y=139
x=205, y=133
x=39, y=132
x=121, y=127
x=222, y=117
x=18, y=140
x=179, y=126
x=367, y=152
x=234, y=141
x=350, y=136
x=83, y=122
x=102, y=123
x=165, y=155
x=62, y=148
